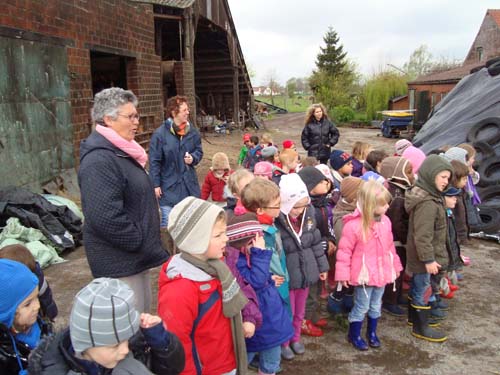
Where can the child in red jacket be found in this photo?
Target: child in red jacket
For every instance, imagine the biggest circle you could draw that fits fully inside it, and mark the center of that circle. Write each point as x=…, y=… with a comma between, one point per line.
x=198, y=297
x=216, y=179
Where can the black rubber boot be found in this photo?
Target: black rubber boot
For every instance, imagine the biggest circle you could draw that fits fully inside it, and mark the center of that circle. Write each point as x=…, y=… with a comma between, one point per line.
x=421, y=327
x=411, y=313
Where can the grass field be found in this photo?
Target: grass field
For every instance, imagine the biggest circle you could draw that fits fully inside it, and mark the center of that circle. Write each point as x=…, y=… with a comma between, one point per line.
x=296, y=104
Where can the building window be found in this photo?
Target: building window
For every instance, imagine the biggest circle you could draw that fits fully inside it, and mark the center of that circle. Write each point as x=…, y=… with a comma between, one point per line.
x=433, y=99
x=479, y=51
x=412, y=98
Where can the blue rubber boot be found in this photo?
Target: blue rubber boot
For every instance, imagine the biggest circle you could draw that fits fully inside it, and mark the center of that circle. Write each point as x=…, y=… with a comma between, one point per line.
x=354, y=336
x=371, y=333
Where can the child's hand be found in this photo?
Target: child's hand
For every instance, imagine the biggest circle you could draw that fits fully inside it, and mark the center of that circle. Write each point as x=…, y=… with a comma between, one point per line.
x=433, y=268
x=278, y=280
x=323, y=276
x=259, y=242
x=148, y=320
x=344, y=283
x=248, y=329
x=331, y=248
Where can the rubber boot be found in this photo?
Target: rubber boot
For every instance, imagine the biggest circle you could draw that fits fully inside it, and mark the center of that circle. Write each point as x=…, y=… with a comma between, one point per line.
x=411, y=313
x=421, y=327
x=443, y=305
x=371, y=333
x=354, y=336
x=167, y=242
x=436, y=312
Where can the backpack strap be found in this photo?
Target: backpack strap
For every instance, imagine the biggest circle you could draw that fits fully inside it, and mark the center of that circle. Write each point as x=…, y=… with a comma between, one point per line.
x=203, y=308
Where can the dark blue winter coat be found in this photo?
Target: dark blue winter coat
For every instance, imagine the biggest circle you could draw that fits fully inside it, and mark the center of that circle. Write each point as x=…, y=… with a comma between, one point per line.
x=305, y=258
x=276, y=325
x=121, y=233
x=166, y=163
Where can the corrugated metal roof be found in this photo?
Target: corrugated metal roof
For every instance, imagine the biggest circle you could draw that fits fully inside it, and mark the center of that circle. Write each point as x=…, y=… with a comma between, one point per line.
x=181, y=4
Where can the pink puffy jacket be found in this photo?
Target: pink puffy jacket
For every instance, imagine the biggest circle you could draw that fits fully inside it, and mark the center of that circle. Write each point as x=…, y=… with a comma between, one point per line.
x=370, y=263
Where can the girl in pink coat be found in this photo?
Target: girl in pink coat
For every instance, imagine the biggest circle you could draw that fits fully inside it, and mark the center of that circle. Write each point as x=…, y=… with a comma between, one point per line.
x=367, y=259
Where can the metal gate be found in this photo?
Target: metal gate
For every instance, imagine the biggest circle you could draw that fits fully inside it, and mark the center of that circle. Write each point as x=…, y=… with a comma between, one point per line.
x=36, y=136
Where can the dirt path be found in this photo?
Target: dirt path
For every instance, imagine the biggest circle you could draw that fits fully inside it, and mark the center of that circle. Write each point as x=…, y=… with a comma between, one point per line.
x=473, y=326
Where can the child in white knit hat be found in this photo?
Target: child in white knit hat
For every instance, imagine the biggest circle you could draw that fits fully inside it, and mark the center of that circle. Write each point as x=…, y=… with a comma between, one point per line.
x=305, y=251
x=106, y=333
x=199, y=299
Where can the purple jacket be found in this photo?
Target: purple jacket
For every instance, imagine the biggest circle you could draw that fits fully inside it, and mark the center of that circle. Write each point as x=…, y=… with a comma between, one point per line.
x=251, y=312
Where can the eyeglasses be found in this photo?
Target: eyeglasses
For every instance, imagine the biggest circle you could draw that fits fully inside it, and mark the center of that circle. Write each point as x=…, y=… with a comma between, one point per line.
x=132, y=117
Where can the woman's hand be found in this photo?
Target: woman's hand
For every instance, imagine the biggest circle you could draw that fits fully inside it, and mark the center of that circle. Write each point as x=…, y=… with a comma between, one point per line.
x=344, y=283
x=331, y=248
x=188, y=159
x=323, y=276
x=158, y=192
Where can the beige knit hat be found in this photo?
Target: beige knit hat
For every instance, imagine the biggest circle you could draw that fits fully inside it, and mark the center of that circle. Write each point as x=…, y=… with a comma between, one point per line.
x=190, y=224
x=349, y=188
x=220, y=161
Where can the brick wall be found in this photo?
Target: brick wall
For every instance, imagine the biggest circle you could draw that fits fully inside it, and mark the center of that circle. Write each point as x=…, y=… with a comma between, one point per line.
x=115, y=26
x=184, y=82
x=488, y=38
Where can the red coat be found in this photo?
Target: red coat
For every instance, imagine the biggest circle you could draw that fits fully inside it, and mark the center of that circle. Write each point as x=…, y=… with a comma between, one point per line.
x=215, y=186
x=183, y=288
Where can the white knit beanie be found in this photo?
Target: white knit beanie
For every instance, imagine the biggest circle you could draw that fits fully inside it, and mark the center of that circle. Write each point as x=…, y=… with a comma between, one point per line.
x=103, y=314
x=292, y=190
x=190, y=224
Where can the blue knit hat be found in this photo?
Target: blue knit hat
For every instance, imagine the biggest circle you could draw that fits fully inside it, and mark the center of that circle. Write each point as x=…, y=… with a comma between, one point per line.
x=17, y=282
x=339, y=158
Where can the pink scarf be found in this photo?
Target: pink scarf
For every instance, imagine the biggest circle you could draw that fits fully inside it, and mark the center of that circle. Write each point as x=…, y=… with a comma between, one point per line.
x=131, y=148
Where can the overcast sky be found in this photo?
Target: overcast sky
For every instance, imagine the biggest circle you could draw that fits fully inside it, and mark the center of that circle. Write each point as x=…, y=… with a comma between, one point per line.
x=285, y=35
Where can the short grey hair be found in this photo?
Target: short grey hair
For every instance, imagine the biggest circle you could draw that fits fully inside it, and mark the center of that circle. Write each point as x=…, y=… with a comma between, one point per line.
x=108, y=101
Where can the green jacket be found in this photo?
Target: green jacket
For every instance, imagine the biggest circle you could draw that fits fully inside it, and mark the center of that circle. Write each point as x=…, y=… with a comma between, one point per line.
x=243, y=154
x=427, y=218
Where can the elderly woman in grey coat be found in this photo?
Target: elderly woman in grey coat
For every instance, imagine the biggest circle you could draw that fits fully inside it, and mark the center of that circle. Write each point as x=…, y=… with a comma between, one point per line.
x=121, y=231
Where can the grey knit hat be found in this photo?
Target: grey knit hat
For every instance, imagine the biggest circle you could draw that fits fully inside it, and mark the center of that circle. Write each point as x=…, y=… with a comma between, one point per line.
x=455, y=153
x=190, y=224
x=103, y=314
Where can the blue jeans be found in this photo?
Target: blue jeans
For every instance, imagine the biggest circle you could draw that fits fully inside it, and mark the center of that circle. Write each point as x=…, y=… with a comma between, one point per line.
x=419, y=284
x=366, y=300
x=269, y=359
x=165, y=211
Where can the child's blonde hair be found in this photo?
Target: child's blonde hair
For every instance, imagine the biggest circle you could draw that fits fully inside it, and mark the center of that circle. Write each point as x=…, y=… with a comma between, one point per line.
x=471, y=151
x=259, y=193
x=266, y=138
x=371, y=195
x=235, y=178
x=287, y=156
x=309, y=161
x=360, y=150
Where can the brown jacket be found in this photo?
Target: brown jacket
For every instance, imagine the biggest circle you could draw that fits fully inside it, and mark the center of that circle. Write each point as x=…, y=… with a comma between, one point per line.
x=426, y=230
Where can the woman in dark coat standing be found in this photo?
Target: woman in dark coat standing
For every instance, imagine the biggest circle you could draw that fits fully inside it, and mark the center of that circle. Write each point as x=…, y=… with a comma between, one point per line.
x=319, y=134
x=174, y=151
x=121, y=233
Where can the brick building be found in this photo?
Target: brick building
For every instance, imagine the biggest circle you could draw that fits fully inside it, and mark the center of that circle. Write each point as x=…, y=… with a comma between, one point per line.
x=428, y=90
x=56, y=54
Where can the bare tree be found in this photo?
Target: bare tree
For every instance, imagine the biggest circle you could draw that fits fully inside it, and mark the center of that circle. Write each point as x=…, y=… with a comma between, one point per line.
x=271, y=80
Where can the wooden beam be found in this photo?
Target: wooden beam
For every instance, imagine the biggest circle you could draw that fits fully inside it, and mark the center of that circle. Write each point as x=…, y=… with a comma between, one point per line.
x=167, y=17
